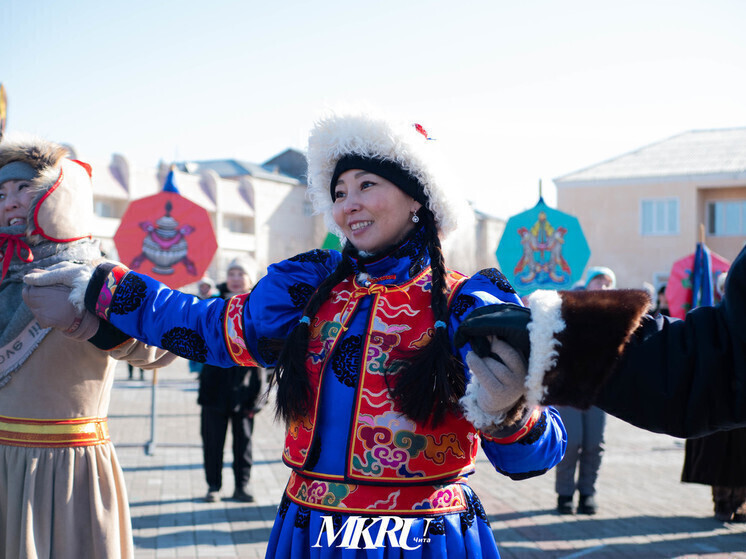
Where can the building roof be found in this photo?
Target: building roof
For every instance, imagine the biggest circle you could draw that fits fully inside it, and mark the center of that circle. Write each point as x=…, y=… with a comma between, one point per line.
x=693, y=155
x=235, y=168
x=290, y=162
x=233, y=199
x=106, y=180
x=190, y=186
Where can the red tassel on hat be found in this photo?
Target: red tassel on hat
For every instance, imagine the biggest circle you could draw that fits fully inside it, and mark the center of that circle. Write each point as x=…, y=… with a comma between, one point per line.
x=422, y=131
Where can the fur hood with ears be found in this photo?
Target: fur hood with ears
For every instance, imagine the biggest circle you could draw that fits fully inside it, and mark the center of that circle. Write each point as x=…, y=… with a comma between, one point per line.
x=62, y=210
x=337, y=135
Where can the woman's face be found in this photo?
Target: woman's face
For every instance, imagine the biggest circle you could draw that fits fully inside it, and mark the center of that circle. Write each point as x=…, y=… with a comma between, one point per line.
x=15, y=199
x=372, y=212
x=237, y=281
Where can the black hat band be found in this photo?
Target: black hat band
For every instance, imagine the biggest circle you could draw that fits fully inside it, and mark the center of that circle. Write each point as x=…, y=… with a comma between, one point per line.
x=387, y=169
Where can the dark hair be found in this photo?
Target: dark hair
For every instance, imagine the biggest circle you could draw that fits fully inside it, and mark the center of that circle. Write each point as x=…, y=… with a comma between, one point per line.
x=428, y=387
x=293, y=386
x=434, y=381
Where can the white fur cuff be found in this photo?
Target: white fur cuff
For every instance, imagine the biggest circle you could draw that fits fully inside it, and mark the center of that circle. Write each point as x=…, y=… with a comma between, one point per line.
x=79, y=287
x=546, y=322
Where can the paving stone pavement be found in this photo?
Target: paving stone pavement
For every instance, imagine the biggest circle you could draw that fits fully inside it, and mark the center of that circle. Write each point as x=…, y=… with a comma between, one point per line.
x=645, y=512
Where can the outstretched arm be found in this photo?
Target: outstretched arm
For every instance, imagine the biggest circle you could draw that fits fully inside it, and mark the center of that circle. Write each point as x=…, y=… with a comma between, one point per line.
x=685, y=378
x=239, y=331
x=519, y=439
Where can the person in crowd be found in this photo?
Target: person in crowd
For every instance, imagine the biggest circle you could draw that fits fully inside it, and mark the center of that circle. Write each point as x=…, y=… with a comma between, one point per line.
x=661, y=306
x=585, y=434
x=131, y=372
x=600, y=348
x=62, y=491
x=230, y=395
x=719, y=460
x=206, y=289
x=383, y=418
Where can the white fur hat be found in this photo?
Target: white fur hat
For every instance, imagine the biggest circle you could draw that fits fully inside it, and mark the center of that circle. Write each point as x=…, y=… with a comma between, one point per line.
x=336, y=136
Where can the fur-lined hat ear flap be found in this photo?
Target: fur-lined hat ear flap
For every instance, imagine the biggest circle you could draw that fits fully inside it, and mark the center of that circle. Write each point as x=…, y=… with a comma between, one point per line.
x=577, y=338
x=65, y=211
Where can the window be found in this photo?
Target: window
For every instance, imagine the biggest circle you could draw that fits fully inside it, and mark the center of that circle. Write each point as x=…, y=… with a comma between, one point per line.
x=103, y=209
x=726, y=218
x=659, y=216
x=235, y=223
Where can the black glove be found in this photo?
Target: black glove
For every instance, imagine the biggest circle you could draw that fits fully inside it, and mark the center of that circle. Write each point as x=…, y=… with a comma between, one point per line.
x=506, y=321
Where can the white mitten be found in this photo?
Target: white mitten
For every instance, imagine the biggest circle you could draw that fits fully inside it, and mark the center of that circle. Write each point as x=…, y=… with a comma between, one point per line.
x=69, y=274
x=52, y=308
x=495, y=387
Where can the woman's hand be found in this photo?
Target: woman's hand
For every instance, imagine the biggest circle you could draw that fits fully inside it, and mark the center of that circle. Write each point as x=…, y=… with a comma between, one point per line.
x=52, y=308
x=69, y=274
x=501, y=376
x=497, y=384
x=62, y=273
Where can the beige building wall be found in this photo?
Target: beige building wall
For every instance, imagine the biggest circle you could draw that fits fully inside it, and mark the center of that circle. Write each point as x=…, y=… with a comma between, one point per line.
x=610, y=216
x=459, y=247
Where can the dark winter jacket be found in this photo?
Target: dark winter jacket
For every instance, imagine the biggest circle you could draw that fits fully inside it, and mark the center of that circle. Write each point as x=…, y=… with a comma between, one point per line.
x=717, y=459
x=232, y=389
x=686, y=378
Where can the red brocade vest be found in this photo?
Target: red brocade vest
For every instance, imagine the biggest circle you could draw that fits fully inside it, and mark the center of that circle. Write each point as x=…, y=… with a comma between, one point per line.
x=385, y=447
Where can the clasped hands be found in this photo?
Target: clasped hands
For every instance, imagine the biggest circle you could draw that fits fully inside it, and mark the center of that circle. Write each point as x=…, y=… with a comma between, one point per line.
x=501, y=376
x=498, y=362
x=47, y=295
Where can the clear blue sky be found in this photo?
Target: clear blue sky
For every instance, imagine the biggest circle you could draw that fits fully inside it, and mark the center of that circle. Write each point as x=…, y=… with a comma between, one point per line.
x=521, y=91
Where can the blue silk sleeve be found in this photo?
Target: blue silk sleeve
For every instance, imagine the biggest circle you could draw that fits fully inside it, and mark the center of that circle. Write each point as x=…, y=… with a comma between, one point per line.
x=276, y=303
x=535, y=453
x=198, y=329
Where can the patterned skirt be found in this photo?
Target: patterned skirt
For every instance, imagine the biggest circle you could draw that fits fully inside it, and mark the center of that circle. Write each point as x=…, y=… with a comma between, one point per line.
x=303, y=533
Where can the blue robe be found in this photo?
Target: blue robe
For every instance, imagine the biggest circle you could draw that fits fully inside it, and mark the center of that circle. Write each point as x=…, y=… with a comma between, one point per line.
x=195, y=329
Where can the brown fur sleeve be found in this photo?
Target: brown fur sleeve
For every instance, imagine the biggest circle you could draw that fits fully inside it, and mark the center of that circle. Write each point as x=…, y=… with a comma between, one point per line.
x=598, y=326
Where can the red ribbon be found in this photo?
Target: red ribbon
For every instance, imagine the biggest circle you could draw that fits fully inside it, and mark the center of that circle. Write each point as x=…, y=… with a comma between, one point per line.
x=16, y=245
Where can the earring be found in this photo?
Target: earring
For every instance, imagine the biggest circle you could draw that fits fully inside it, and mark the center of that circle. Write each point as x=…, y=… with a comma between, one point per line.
x=415, y=218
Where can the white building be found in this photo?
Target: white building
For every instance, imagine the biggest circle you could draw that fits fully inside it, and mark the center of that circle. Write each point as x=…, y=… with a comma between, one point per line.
x=260, y=211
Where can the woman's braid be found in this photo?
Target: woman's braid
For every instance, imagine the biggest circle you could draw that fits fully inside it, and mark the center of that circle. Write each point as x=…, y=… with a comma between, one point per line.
x=291, y=375
x=433, y=383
